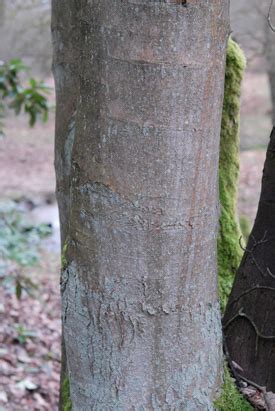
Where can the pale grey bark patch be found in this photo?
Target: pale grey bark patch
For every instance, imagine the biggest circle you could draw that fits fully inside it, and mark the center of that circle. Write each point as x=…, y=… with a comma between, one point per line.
x=68, y=148
x=121, y=336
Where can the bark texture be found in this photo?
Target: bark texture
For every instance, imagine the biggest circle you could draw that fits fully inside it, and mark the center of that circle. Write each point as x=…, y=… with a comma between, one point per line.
x=249, y=318
x=66, y=51
x=139, y=290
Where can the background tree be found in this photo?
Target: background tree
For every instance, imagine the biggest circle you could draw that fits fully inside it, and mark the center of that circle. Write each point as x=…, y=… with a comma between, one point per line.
x=249, y=316
x=2, y=11
x=139, y=162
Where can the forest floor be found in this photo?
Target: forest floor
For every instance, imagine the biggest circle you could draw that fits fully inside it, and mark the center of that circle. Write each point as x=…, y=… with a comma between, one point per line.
x=30, y=327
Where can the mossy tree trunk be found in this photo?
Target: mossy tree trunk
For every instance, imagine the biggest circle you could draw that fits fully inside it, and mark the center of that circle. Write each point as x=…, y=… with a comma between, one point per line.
x=137, y=185
x=229, y=251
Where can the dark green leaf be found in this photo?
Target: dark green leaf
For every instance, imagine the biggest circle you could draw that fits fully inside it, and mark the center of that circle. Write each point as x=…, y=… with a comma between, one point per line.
x=18, y=289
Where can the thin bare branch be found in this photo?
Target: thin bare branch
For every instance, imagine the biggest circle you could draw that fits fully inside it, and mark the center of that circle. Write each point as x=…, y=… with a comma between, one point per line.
x=252, y=383
x=250, y=290
x=270, y=273
x=272, y=27
x=243, y=315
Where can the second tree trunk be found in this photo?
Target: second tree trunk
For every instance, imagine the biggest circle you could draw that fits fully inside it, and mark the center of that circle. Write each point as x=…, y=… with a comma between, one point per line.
x=249, y=321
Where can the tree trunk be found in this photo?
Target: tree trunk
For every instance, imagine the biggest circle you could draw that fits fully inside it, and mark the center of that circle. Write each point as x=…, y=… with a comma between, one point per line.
x=66, y=54
x=2, y=11
x=250, y=317
x=142, y=329
x=270, y=59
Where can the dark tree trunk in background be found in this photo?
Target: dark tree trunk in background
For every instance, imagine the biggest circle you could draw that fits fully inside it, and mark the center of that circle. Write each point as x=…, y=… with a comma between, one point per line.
x=249, y=321
x=136, y=162
x=270, y=58
x=2, y=11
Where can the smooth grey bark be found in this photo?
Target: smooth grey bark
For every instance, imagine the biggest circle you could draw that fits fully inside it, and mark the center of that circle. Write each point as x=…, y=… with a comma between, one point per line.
x=66, y=53
x=136, y=160
x=65, y=38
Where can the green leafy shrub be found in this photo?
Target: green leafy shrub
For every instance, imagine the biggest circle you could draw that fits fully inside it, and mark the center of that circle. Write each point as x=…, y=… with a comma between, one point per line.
x=19, y=243
x=18, y=239
x=30, y=98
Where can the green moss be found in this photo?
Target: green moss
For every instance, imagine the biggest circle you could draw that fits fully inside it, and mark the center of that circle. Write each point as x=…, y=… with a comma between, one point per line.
x=65, y=394
x=245, y=227
x=231, y=399
x=64, y=262
x=229, y=251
